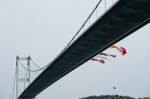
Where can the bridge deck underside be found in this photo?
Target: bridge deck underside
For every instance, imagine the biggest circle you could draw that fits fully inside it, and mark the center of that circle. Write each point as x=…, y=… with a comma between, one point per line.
x=121, y=20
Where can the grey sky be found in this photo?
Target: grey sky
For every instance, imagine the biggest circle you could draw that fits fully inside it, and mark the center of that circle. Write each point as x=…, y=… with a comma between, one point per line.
x=42, y=29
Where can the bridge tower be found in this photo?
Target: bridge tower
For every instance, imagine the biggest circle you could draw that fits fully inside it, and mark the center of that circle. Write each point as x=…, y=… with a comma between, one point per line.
x=28, y=72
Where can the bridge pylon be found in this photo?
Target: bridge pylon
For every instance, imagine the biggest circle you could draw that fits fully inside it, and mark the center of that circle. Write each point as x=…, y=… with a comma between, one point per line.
x=28, y=72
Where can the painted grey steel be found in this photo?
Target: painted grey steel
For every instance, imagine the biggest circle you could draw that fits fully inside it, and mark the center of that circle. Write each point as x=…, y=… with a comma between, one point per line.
x=121, y=20
x=18, y=79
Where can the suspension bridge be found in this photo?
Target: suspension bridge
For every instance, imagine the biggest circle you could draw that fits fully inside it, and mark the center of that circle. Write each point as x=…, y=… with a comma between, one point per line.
x=122, y=19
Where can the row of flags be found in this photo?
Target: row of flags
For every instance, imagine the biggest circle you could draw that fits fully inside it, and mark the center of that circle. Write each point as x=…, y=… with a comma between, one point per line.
x=102, y=57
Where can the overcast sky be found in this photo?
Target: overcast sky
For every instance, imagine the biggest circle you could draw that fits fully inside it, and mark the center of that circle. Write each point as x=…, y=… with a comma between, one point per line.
x=42, y=28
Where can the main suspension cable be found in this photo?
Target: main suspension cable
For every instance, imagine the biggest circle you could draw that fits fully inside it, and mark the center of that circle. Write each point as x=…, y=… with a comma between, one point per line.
x=81, y=27
x=36, y=70
x=38, y=65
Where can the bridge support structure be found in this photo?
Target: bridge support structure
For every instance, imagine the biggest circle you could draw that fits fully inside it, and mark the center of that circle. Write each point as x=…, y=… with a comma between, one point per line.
x=28, y=73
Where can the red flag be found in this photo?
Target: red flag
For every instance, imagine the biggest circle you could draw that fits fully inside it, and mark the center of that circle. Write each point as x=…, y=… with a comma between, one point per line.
x=105, y=54
x=122, y=50
x=98, y=60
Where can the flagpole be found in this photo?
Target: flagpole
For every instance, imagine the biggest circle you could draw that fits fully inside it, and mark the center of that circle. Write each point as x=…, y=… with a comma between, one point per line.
x=113, y=92
x=114, y=88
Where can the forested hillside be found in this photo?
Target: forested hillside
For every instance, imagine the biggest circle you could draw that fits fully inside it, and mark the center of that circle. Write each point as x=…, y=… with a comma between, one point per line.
x=112, y=97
